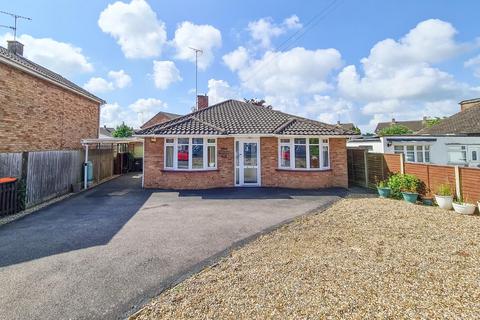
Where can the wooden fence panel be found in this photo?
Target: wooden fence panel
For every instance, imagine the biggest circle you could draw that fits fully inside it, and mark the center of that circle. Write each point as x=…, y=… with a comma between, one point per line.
x=392, y=162
x=441, y=175
x=102, y=160
x=356, y=166
x=469, y=183
x=377, y=170
x=51, y=173
x=10, y=165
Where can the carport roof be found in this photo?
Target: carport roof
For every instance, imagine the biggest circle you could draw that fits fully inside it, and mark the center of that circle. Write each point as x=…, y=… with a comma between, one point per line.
x=233, y=117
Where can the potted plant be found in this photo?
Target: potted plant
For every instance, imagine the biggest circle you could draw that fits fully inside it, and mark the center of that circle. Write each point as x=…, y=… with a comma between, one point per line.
x=444, y=197
x=462, y=207
x=383, y=189
x=404, y=186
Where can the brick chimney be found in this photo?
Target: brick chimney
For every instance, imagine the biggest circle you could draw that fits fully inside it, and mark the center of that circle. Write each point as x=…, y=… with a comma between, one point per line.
x=15, y=47
x=202, y=101
x=465, y=104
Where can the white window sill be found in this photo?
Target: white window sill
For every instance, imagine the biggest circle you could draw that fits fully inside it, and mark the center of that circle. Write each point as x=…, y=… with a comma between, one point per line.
x=303, y=170
x=189, y=170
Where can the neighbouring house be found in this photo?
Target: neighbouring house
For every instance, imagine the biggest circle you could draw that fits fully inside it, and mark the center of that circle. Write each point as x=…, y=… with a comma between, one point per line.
x=40, y=109
x=453, y=141
x=413, y=125
x=235, y=143
x=347, y=126
x=43, y=119
x=160, y=118
x=105, y=132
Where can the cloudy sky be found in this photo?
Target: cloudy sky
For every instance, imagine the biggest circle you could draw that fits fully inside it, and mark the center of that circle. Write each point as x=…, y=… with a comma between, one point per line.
x=353, y=61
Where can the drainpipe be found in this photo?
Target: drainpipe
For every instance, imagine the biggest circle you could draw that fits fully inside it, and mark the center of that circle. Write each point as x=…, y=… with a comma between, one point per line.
x=85, y=168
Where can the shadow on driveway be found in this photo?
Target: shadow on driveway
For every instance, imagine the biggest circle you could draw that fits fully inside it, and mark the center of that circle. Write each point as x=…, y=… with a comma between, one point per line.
x=261, y=193
x=89, y=219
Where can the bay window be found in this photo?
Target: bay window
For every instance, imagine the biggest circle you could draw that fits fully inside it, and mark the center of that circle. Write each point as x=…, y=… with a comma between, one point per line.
x=303, y=153
x=190, y=153
x=414, y=153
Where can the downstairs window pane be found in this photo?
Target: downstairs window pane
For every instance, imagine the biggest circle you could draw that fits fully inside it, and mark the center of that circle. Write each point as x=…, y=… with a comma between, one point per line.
x=197, y=156
x=169, y=157
x=285, y=157
x=300, y=156
x=182, y=157
x=211, y=160
x=314, y=156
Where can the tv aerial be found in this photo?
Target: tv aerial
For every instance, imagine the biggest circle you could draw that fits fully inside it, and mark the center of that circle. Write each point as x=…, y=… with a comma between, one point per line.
x=14, y=27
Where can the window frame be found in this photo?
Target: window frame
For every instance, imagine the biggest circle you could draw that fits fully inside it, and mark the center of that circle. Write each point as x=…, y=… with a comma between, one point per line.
x=322, y=142
x=423, y=148
x=205, y=146
x=457, y=149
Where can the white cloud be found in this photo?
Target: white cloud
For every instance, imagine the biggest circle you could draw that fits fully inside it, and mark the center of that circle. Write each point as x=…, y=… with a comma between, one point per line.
x=237, y=59
x=290, y=73
x=474, y=63
x=165, y=73
x=61, y=57
x=119, y=79
x=204, y=37
x=134, y=115
x=265, y=29
x=220, y=90
x=400, y=78
x=98, y=85
x=135, y=27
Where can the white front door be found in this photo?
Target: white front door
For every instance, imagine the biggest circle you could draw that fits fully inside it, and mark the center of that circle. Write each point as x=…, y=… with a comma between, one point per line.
x=247, y=162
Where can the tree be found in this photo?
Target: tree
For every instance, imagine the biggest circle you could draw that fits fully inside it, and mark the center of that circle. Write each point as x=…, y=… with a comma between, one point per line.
x=122, y=131
x=394, y=130
x=433, y=121
x=257, y=102
x=356, y=130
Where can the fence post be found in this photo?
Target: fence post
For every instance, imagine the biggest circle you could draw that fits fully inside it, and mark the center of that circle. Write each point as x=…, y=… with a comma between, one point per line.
x=23, y=181
x=402, y=164
x=365, y=160
x=457, y=183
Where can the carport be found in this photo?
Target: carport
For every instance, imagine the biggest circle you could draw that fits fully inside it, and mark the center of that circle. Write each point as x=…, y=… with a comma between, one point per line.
x=120, y=145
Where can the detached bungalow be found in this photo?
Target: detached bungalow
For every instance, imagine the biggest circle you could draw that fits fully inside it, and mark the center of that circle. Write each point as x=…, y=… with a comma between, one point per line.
x=234, y=143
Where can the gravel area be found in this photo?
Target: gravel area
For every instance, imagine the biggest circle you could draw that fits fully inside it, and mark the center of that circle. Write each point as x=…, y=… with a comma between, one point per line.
x=359, y=259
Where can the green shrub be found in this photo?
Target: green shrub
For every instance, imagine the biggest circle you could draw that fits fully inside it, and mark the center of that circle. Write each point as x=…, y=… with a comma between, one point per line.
x=444, y=190
x=382, y=184
x=399, y=183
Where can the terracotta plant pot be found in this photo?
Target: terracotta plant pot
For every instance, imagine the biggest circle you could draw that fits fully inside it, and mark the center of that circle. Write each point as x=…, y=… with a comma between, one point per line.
x=464, y=208
x=444, y=202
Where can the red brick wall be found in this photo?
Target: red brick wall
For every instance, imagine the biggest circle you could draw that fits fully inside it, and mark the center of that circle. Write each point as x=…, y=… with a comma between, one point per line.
x=273, y=177
x=156, y=177
x=38, y=115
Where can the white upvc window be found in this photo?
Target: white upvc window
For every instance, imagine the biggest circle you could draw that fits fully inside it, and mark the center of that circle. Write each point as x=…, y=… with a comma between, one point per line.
x=457, y=154
x=303, y=153
x=414, y=153
x=195, y=153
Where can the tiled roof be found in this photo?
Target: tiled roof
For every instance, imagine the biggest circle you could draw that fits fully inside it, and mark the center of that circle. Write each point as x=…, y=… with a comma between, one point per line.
x=160, y=117
x=236, y=117
x=415, y=125
x=42, y=71
x=463, y=123
x=346, y=126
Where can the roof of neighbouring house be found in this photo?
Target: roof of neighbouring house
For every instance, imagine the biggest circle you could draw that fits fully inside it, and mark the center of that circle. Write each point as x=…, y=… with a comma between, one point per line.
x=462, y=123
x=157, y=119
x=232, y=117
x=106, y=132
x=414, y=125
x=346, y=126
x=25, y=64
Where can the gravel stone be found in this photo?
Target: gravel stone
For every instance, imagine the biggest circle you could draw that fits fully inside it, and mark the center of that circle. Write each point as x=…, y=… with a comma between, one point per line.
x=359, y=259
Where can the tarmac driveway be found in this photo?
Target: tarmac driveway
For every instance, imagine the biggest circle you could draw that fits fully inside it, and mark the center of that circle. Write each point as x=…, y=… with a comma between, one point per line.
x=103, y=253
